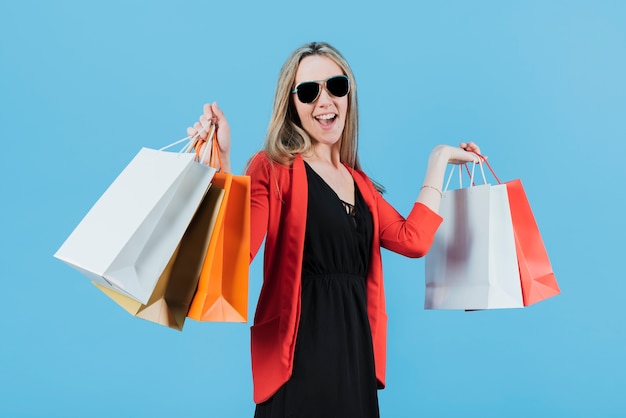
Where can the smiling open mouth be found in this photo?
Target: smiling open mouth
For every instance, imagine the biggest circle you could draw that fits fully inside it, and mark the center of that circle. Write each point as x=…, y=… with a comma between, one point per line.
x=326, y=119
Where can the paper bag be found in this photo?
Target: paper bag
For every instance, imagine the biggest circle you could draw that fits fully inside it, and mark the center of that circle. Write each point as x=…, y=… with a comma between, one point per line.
x=174, y=290
x=537, y=278
x=472, y=263
x=222, y=294
x=128, y=237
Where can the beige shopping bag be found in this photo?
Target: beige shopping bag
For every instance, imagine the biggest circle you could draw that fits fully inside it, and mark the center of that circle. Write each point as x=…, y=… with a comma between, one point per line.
x=175, y=288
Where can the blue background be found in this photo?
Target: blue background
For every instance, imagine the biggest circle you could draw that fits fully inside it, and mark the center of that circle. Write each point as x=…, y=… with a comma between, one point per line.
x=539, y=85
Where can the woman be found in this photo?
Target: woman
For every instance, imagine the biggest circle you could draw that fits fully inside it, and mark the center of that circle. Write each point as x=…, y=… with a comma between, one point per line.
x=319, y=333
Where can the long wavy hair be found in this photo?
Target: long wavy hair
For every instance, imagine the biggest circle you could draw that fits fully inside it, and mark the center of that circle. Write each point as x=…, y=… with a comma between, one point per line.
x=285, y=137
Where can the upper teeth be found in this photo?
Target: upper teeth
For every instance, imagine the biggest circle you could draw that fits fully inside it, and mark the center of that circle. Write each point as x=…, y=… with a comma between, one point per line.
x=327, y=116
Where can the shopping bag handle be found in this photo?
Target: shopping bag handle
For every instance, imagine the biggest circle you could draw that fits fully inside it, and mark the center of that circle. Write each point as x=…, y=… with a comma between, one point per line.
x=192, y=142
x=483, y=158
x=215, y=158
x=471, y=174
x=216, y=151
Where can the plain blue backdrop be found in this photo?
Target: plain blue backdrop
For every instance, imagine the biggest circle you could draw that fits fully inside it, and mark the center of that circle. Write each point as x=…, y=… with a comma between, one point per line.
x=540, y=85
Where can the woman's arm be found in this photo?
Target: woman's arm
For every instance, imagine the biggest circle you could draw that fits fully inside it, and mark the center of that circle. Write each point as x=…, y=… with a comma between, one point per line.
x=413, y=236
x=258, y=170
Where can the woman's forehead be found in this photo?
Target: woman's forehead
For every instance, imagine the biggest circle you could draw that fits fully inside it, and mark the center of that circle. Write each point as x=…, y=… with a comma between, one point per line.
x=316, y=67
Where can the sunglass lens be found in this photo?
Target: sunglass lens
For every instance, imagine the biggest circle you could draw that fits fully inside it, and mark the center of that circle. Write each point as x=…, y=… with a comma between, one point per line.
x=338, y=86
x=307, y=92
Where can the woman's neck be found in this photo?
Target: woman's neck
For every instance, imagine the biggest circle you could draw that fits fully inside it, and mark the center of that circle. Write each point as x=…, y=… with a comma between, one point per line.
x=324, y=154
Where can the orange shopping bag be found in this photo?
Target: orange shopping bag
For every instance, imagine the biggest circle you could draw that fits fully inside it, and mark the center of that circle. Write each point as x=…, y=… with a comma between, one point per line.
x=222, y=293
x=536, y=274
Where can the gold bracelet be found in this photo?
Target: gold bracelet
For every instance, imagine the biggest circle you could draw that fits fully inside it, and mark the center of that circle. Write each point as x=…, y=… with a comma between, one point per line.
x=434, y=188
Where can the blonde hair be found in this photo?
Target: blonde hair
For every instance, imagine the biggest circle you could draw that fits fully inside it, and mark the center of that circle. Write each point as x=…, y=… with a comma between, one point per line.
x=285, y=137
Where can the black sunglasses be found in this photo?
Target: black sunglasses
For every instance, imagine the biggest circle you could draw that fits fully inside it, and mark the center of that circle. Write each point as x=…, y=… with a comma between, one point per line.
x=309, y=91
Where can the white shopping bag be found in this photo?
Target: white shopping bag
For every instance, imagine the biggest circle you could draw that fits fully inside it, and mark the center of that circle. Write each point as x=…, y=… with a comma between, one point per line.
x=472, y=263
x=128, y=237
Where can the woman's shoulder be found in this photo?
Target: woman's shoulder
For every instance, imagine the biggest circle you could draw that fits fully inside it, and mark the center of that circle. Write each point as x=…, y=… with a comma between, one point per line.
x=263, y=161
x=359, y=174
x=361, y=177
x=258, y=160
x=261, y=166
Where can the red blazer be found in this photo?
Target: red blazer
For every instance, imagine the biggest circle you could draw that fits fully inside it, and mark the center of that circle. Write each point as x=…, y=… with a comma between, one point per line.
x=279, y=196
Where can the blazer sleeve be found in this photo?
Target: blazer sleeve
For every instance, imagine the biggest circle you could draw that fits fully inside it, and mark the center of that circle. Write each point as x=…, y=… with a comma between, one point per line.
x=411, y=237
x=259, y=171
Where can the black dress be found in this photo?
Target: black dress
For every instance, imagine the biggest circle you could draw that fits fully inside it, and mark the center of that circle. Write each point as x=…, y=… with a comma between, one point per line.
x=333, y=372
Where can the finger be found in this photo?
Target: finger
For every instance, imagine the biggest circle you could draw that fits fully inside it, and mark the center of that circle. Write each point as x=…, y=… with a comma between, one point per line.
x=200, y=131
x=470, y=147
x=467, y=146
x=205, y=121
x=209, y=113
x=217, y=112
x=192, y=133
x=206, y=109
x=473, y=147
x=476, y=149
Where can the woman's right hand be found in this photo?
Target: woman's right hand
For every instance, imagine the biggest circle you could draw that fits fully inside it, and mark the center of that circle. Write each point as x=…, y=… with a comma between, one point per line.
x=213, y=114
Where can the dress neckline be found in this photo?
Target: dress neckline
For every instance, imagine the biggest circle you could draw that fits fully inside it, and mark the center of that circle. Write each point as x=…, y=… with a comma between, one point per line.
x=350, y=208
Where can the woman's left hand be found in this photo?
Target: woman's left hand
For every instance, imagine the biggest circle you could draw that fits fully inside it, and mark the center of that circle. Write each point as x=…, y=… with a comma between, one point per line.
x=440, y=157
x=470, y=147
x=464, y=153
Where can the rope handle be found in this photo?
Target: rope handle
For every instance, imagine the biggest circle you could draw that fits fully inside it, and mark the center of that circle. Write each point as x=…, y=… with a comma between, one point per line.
x=483, y=158
x=471, y=174
x=209, y=149
x=192, y=141
x=215, y=151
x=212, y=147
